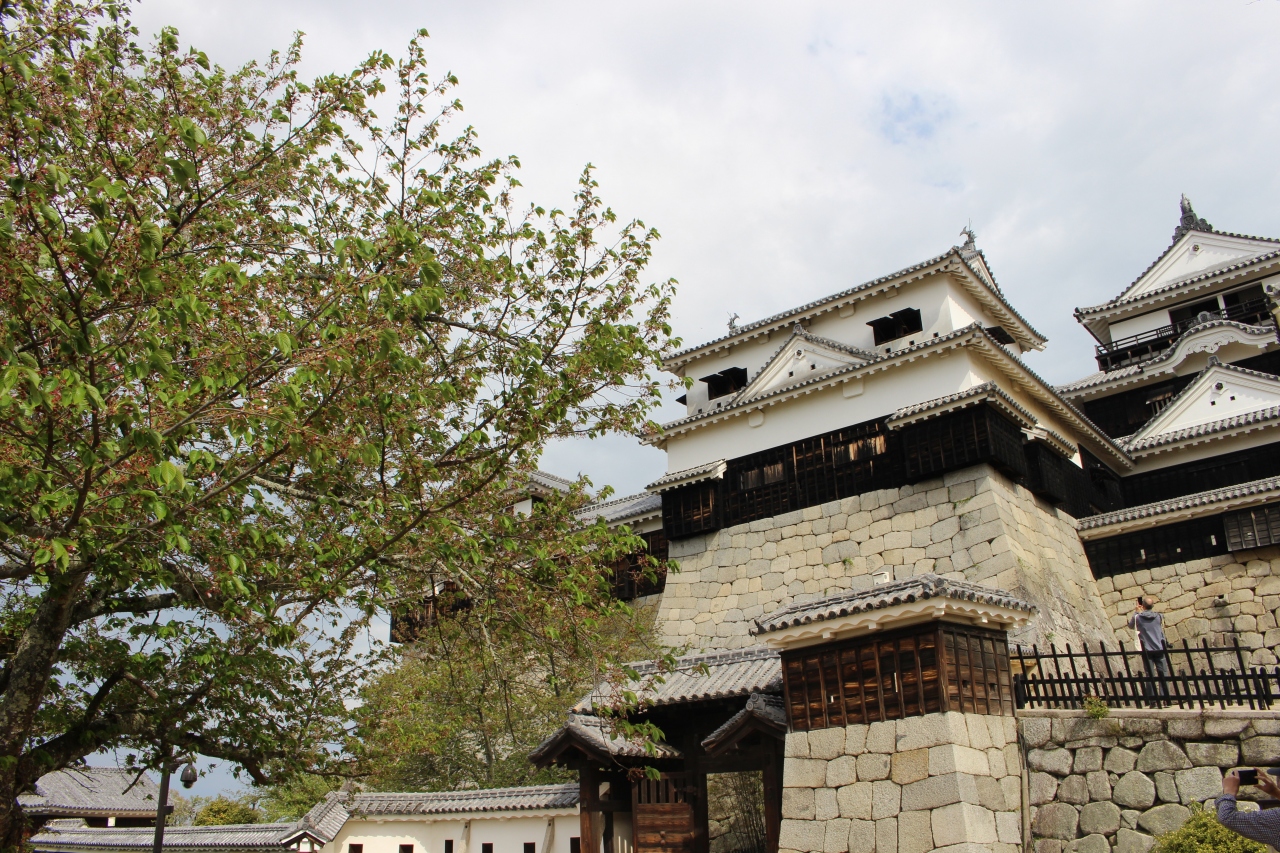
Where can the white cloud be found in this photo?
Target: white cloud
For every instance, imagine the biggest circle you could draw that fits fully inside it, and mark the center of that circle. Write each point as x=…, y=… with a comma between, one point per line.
x=788, y=151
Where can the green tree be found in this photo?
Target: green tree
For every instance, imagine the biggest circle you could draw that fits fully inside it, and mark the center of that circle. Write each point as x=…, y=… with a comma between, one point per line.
x=293, y=797
x=221, y=811
x=471, y=699
x=268, y=364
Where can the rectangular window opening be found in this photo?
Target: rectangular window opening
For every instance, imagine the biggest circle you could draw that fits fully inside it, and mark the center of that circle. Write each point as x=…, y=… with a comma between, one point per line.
x=448, y=845
x=355, y=848
x=530, y=847
x=897, y=325
x=486, y=847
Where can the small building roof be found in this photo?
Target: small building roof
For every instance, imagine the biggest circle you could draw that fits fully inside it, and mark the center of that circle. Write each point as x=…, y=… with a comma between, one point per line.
x=888, y=597
x=93, y=792
x=630, y=508
x=763, y=713
x=700, y=678
x=241, y=838
x=590, y=735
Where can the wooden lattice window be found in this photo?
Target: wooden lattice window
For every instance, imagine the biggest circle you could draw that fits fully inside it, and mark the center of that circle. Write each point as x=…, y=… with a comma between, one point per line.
x=960, y=439
x=906, y=673
x=1253, y=528
x=1193, y=539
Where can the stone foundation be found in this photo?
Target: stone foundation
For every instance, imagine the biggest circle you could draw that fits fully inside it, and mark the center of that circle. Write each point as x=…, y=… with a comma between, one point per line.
x=1112, y=785
x=939, y=782
x=973, y=524
x=1232, y=597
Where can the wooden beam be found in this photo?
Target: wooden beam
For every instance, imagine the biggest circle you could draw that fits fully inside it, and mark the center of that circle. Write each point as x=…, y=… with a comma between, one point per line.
x=589, y=800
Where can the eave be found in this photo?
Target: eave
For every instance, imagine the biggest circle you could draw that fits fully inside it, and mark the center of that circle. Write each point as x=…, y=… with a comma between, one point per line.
x=1160, y=513
x=897, y=616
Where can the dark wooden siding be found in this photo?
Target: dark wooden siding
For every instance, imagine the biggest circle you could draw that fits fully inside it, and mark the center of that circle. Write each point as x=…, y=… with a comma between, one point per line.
x=906, y=673
x=1159, y=546
x=1215, y=472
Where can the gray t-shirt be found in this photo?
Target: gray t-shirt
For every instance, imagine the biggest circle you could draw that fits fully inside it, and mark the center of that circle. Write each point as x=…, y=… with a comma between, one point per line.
x=1150, y=625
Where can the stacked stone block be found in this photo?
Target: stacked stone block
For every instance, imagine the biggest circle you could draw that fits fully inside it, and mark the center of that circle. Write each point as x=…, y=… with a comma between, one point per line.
x=1231, y=597
x=1112, y=785
x=949, y=782
x=973, y=524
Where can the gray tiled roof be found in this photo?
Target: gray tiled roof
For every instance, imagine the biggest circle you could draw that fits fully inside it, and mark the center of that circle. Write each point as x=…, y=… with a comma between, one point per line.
x=971, y=396
x=621, y=509
x=703, y=677
x=93, y=791
x=1199, y=499
x=801, y=310
x=766, y=708
x=528, y=798
x=592, y=734
x=550, y=481
x=242, y=838
x=1103, y=377
x=1261, y=416
x=693, y=475
x=912, y=589
x=326, y=818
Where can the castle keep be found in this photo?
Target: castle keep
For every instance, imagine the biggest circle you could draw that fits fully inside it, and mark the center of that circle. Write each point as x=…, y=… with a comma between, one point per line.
x=872, y=498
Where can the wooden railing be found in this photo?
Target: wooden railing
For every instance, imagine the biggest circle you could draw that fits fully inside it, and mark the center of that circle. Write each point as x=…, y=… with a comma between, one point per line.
x=1198, y=677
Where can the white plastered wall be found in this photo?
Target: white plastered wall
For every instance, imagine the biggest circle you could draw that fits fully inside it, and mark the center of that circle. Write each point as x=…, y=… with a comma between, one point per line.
x=822, y=411
x=507, y=832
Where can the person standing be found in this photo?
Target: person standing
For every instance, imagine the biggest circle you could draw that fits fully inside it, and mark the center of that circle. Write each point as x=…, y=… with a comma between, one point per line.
x=1150, y=627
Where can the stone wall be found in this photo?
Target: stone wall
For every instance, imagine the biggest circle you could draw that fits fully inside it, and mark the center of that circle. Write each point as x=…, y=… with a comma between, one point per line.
x=973, y=524
x=1232, y=597
x=938, y=782
x=1112, y=785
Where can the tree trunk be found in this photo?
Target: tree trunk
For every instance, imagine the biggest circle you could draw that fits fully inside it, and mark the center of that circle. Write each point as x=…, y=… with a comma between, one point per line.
x=26, y=679
x=13, y=822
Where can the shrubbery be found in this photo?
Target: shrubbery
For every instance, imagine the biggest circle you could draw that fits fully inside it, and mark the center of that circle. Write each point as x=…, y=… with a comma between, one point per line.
x=1203, y=834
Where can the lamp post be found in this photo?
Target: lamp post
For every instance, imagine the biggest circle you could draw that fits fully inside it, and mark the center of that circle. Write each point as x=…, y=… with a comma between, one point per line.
x=188, y=778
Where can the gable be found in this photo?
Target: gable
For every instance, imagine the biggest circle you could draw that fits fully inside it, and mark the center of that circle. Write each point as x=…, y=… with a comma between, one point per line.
x=801, y=358
x=1194, y=253
x=1218, y=393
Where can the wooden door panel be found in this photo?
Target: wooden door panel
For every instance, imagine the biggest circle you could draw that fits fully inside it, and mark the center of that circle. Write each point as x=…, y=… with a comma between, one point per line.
x=663, y=827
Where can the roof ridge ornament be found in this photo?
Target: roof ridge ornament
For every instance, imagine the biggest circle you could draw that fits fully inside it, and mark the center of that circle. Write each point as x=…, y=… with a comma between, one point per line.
x=969, y=247
x=1189, y=221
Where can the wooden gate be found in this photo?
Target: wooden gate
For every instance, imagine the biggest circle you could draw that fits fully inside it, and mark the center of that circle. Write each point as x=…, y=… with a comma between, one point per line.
x=663, y=815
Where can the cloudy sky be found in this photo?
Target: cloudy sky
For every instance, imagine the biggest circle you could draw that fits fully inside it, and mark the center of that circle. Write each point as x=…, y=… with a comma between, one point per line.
x=787, y=151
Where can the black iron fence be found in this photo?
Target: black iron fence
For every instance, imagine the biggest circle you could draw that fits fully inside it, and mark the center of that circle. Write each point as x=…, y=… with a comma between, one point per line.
x=1179, y=677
